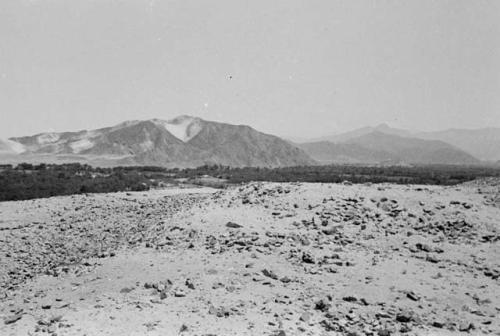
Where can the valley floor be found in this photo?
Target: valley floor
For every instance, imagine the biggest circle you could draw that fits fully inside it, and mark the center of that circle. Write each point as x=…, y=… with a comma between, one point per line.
x=257, y=259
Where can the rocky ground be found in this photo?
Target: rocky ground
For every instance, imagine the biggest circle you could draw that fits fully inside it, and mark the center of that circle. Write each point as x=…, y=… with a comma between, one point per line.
x=258, y=259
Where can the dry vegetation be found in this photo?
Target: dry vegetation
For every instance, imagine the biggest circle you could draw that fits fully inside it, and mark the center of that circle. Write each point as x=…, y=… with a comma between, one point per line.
x=28, y=181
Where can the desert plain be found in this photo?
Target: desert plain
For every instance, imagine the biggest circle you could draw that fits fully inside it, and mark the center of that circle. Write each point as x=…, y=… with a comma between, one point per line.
x=255, y=259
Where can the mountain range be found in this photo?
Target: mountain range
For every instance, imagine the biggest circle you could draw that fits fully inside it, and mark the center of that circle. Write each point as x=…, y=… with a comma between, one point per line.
x=384, y=144
x=188, y=141
x=181, y=142
x=377, y=147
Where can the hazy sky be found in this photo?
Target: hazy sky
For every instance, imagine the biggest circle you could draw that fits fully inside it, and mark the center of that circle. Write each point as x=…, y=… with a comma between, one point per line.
x=296, y=68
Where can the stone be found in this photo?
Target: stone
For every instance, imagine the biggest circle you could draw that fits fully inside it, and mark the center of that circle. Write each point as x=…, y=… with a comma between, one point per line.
x=424, y=247
x=285, y=279
x=305, y=317
x=189, y=284
x=270, y=274
x=328, y=325
x=304, y=241
x=404, y=317
x=384, y=332
x=465, y=326
x=437, y=324
x=13, y=318
x=364, y=302
x=349, y=299
x=329, y=231
x=412, y=296
x=308, y=258
x=219, y=312
x=322, y=305
x=233, y=225
x=432, y=259
x=179, y=293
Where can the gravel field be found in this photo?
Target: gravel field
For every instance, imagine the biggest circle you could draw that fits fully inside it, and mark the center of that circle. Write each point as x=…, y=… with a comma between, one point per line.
x=257, y=259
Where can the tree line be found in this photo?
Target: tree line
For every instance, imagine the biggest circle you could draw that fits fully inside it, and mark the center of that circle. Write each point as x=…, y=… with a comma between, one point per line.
x=28, y=181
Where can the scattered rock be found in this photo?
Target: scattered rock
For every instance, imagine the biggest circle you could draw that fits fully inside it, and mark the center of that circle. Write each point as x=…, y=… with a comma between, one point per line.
x=305, y=317
x=285, y=279
x=179, y=293
x=308, y=258
x=189, y=284
x=349, y=299
x=432, y=259
x=13, y=318
x=465, y=326
x=322, y=305
x=404, y=317
x=270, y=274
x=219, y=312
x=233, y=225
x=412, y=296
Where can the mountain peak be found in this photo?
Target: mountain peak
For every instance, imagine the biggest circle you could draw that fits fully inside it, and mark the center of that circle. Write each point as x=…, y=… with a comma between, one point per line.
x=183, y=127
x=183, y=119
x=382, y=126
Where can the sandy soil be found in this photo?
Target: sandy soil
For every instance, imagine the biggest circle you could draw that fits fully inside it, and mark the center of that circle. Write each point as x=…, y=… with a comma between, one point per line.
x=258, y=259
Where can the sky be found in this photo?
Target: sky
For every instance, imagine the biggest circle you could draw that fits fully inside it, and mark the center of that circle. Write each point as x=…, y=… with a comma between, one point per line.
x=287, y=67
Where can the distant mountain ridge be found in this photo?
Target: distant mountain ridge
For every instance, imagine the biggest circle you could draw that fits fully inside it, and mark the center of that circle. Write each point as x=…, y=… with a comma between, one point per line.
x=184, y=141
x=326, y=152
x=482, y=144
x=377, y=147
x=342, y=137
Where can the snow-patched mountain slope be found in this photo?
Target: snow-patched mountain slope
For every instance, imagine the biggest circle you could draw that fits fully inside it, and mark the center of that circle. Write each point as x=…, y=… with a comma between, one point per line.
x=81, y=145
x=8, y=146
x=183, y=127
x=48, y=138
